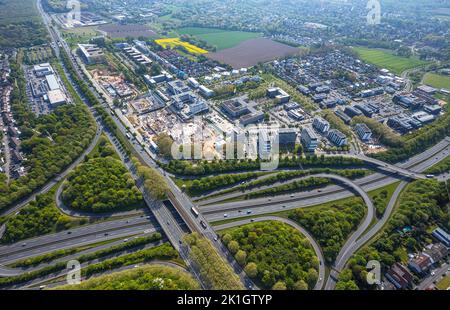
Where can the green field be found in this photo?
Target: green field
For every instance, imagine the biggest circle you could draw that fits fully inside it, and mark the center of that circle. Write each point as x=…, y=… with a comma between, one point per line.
x=222, y=39
x=437, y=80
x=386, y=59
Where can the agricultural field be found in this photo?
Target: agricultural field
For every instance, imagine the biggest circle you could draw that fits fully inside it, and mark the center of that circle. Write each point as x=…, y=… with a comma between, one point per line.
x=385, y=59
x=437, y=80
x=221, y=39
x=252, y=52
x=175, y=42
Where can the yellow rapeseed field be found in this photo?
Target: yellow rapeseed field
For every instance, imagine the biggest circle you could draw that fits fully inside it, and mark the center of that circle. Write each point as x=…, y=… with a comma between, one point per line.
x=173, y=42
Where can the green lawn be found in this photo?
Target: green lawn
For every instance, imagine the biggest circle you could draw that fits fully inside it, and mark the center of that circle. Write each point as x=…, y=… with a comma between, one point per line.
x=386, y=59
x=437, y=80
x=222, y=39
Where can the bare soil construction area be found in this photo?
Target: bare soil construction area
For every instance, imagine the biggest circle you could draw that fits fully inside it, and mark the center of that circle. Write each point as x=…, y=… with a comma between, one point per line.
x=252, y=52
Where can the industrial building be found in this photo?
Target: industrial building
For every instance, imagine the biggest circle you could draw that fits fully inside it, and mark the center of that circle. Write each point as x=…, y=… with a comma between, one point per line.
x=56, y=98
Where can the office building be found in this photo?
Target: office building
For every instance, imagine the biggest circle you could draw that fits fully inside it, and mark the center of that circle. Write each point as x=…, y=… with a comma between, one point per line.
x=321, y=125
x=337, y=137
x=309, y=140
x=363, y=132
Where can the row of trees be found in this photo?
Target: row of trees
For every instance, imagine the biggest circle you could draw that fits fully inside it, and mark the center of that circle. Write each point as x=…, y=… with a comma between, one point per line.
x=289, y=175
x=422, y=205
x=143, y=278
x=331, y=226
x=276, y=255
x=299, y=185
x=336, y=122
x=94, y=102
x=199, y=168
x=217, y=274
x=34, y=261
x=38, y=218
x=200, y=186
x=154, y=182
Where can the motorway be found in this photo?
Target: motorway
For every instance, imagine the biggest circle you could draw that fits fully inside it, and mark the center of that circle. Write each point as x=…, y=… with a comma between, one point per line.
x=421, y=162
x=83, y=235
x=314, y=244
x=353, y=245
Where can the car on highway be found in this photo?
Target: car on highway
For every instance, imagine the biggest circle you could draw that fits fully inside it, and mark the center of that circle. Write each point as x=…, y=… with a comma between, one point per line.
x=125, y=240
x=24, y=244
x=225, y=215
x=203, y=224
x=249, y=212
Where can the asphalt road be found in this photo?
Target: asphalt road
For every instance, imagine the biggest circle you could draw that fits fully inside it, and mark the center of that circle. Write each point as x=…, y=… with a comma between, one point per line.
x=237, y=209
x=428, y=282
x=314, y=244
x=352, y=246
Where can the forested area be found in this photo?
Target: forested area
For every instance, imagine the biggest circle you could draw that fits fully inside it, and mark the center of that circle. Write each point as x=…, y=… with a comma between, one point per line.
x=331, y=225
x=142, y=278
x=274, y=254
x=202, y=168
x=38, y=218
x=217, y=273
x=422, y=205
x=49, y=142
x=101, y=184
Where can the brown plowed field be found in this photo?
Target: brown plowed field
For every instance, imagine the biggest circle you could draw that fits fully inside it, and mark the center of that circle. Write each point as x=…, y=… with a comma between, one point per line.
x=252, y=52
